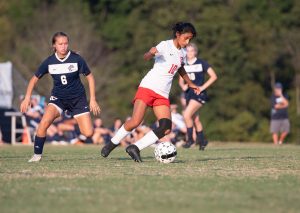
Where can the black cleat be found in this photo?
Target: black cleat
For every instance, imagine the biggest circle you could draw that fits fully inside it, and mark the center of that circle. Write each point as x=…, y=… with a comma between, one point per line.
x=107, y=149
x=203, y=146
x=134, y=153
x=188, y=144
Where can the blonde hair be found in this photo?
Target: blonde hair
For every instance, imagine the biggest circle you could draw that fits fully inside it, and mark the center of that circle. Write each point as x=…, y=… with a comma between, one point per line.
x=194, y=46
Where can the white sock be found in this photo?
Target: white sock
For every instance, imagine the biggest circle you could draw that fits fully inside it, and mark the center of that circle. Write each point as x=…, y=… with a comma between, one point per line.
x=121, y=133
x=149, y=139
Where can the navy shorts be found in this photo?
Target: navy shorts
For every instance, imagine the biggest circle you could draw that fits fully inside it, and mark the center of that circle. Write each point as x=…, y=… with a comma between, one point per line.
x=74, y=106
x=191, y=95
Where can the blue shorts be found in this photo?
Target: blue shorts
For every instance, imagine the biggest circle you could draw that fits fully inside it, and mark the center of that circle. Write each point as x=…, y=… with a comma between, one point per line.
x=74, y=106
x=191, y=95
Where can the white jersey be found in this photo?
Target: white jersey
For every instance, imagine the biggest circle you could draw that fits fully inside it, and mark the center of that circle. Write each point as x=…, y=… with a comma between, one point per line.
x=167, y=62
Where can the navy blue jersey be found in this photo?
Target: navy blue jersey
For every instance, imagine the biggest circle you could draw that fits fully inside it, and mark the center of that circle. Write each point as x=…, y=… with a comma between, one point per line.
x=197, y=71
x=66, y=74
x=277, y=114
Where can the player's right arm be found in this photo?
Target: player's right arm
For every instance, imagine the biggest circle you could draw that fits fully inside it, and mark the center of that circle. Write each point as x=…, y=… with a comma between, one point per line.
x=283, y=103
x=26, y=102
x=182, y=84
x=186, y=78
x=150, y=54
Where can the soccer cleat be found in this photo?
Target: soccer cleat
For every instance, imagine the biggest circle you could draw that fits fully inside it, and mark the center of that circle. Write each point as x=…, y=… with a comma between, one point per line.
x=203, y=146
x=35, y=158
x=106, y=150
x=134, y=152
x=188, y=144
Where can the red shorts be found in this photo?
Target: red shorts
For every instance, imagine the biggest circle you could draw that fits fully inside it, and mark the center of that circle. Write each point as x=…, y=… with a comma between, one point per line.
x=150, y=97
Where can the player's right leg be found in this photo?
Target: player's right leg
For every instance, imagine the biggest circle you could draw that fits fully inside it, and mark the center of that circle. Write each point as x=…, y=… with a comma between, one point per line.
x=275, y=129
x=200, y=139
x=188, y=115
x=52, y=112
x=275, y=138
x=163, y=115
x=137, y=117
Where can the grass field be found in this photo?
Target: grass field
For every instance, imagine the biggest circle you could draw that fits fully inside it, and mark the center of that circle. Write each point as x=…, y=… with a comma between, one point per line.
x=225, y=178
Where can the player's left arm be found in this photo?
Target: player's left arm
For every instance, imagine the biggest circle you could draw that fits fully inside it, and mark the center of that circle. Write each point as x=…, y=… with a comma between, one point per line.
x=212, y=78
x=94, y=107
x=186, y=78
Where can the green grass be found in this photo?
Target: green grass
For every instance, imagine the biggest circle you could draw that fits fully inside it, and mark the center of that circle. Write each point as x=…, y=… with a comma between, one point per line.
x=224, y=178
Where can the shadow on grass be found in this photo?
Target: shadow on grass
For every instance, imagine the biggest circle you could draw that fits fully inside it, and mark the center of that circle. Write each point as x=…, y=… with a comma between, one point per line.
x=129, y=158
x=11, y=157
x=68, y=159
x=241, y=158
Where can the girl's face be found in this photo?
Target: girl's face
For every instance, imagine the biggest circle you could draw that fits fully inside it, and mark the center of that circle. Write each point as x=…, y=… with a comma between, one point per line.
x=118, y=123
x=278, y=91
x=61, y=45
x=190, y=52
x=98, y=122
x=184, y=38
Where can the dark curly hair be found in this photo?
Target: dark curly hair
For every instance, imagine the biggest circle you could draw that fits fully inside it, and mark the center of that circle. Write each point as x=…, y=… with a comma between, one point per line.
x=184, y=27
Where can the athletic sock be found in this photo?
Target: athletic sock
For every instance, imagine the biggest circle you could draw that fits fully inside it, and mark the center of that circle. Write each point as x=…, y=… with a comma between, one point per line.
x=190, y=134
x=88, y=140
x=200, y=138
x=121, y=133
x=149, y=139
x=39, y=145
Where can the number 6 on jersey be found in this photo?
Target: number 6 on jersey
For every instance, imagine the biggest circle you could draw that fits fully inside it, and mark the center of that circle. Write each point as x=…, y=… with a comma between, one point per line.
x=63, y=79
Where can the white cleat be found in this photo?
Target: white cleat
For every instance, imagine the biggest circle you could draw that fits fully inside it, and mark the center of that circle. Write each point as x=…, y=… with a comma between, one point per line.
x=35, y=158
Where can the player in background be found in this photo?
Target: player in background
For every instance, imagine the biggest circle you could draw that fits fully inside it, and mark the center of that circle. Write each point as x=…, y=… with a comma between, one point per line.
x=196, y=69
x=154, y=91
x=280, y=124
x=68, y=93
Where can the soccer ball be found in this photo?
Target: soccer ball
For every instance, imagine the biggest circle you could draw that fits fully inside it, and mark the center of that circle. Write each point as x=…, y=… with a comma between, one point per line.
x=165, y=152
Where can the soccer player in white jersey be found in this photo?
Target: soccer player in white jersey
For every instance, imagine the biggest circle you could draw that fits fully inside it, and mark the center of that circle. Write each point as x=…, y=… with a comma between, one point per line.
x=197, y=69
x=154, y=91
x=68, y=93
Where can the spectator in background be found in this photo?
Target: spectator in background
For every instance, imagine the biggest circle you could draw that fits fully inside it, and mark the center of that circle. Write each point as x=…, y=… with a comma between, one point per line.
x=34, y=113
x=280, y=124
x=116, y=126
x=1, y=142
x=101, y=134
x=177, y=119
x=178, y=126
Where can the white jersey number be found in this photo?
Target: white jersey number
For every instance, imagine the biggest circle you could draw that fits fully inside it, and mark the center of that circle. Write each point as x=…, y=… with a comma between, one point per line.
x=192, y=76
x=63, y=79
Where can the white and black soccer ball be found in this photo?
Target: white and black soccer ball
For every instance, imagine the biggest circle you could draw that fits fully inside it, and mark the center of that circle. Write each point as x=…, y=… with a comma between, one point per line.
x=165, y=152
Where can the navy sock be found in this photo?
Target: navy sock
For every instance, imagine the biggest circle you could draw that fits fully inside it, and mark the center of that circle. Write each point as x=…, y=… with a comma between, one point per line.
x=190, y=134
x=39, y=144
x=88, y=140
x=200, y=138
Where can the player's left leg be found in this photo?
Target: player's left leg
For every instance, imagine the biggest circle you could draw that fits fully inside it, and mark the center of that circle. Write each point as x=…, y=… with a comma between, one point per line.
x=284, y=129
x=163, y=115
x=192, y=107
x=282, y=137
x=200, y=139
x=86, y=128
